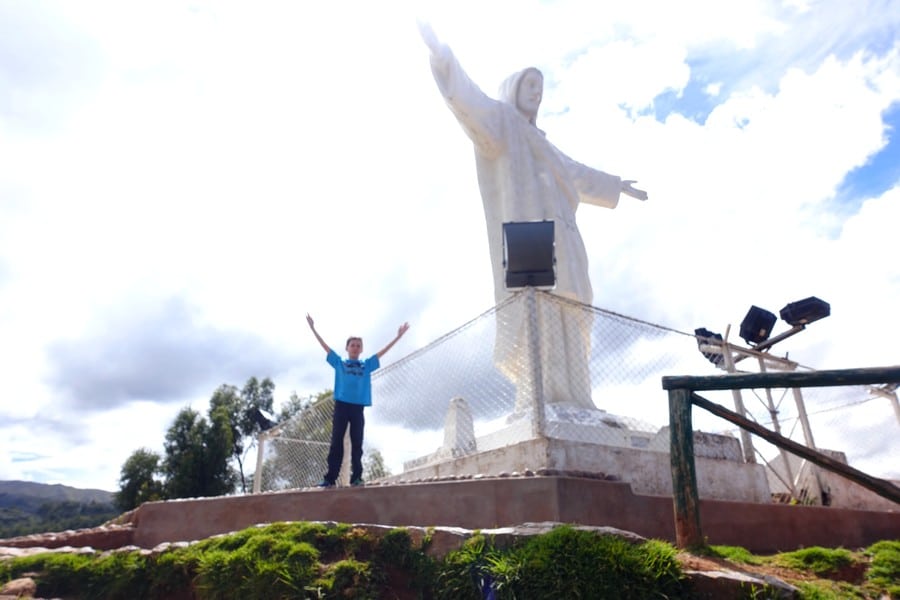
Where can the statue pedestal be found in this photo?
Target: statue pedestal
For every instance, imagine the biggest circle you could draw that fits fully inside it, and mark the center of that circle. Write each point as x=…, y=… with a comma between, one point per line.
x=590, y=442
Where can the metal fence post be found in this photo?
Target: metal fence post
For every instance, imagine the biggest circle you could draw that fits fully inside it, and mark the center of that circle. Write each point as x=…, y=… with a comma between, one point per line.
x=260, y=451
x=536, y=371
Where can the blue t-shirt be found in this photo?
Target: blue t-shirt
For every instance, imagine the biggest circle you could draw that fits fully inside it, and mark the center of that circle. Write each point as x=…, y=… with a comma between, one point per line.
x=353, y=378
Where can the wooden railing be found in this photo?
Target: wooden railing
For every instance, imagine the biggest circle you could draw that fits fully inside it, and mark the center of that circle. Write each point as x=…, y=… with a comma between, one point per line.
x=682, y=396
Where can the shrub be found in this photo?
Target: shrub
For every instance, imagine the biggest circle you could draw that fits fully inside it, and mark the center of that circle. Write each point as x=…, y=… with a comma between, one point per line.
x=821, y=561
x=61, y=574
x=266, y=566
x=564, y=563
x=348, y=579
x=884, y=570
x=395, y=555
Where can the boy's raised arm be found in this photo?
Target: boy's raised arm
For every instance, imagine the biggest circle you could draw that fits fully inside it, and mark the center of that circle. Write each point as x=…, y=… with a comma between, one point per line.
x=400, y=331
x=312, y=326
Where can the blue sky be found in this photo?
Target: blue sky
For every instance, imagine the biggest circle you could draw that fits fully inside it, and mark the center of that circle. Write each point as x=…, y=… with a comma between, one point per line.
x=182, y=183
x=881, y=171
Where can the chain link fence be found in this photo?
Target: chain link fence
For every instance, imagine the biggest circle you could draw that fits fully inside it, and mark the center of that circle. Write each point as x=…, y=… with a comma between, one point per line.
x=597, y=376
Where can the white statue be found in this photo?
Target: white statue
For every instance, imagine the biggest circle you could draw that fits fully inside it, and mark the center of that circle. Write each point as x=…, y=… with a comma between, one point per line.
x=523, y=177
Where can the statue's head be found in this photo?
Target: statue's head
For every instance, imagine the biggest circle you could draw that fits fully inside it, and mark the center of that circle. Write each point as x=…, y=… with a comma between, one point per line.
x=524, y=90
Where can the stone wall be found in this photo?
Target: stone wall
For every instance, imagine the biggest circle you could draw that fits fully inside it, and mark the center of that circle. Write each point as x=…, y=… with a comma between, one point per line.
x=482, y=503
x=487, y=503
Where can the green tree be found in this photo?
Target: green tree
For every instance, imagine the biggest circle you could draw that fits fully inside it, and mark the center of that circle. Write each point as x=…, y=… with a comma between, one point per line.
x=197, y=454
x=221, y=478
x=227, y=398
x=139, y=480
x=374, y=466
x=244, y=412
x=183, y=454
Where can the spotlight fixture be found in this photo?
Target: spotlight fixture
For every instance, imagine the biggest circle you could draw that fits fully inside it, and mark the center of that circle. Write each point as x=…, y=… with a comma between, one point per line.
x=263, y=419
x=707, y=337
x=528, y=254
x=804, y=312
x=757, y=325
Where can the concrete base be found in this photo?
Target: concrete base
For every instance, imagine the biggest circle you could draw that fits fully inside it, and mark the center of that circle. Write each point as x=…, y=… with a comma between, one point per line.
x=501, y=502
x=588, y=440
x=648, y=472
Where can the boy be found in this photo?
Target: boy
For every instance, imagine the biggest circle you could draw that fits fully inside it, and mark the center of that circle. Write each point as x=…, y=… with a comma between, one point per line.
x=352, y=393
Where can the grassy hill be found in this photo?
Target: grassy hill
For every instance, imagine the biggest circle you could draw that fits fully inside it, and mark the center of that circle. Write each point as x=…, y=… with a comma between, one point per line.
x=28, y=507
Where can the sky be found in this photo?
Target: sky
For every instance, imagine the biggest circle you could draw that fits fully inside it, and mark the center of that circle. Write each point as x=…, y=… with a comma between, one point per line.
x=182, y=182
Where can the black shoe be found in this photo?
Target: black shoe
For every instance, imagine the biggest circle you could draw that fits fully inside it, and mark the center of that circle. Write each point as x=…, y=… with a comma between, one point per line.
x=357, y=482
x=325, y=484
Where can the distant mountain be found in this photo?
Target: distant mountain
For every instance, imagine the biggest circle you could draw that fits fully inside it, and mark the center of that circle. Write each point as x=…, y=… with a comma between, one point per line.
x=28, y=507
x=12, y=493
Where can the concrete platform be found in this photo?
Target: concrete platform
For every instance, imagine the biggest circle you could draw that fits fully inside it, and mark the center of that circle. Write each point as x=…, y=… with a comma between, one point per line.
x=508, y=501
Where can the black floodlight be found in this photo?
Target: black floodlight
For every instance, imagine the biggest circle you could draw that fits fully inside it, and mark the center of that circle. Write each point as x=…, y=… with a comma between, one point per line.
x=707, y=337
x=528, y=254
x=264, y=420
x=804, y=312
x=757, y=325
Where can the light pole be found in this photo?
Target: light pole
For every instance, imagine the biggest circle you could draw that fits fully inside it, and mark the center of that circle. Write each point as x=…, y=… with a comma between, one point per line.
x=756, y=329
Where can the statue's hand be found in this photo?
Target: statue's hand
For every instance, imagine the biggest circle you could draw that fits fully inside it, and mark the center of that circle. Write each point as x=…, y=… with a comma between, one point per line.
x=628, y=190
x=429, y=37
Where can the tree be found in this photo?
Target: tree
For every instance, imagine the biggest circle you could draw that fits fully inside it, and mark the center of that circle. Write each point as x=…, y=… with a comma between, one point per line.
x=183, y=452
x=139, y=480
x=374, y=466
x=197, y=455
x=198, y=450
x=245, y=413
x=257, y=397
x=220, y=476
x=227, y=398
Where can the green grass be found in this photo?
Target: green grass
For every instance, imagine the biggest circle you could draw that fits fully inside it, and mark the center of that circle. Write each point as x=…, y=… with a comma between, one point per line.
x=880, y=564
x=735, y=554
x=819, y=561
x=314, y=560
x=884, y=568
x=563, y=563
x=282, y=560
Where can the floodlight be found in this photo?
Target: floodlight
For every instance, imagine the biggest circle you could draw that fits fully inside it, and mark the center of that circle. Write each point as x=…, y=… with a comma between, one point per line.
x=757, y=325
x=804, y=312
x=528, y=254
x=264, y=420
x=707, y=337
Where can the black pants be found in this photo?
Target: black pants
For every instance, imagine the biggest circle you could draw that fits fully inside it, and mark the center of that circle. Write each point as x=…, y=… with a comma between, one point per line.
x=346, y=414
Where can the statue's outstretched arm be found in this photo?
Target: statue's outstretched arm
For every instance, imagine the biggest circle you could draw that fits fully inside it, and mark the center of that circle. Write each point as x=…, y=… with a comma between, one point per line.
x=628, y=190
x=475, y=111
x=441, y=55
x=429, y=37
x=598, y=187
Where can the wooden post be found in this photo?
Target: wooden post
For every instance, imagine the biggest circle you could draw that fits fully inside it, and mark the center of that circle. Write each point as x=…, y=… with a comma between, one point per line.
x=684, y=476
